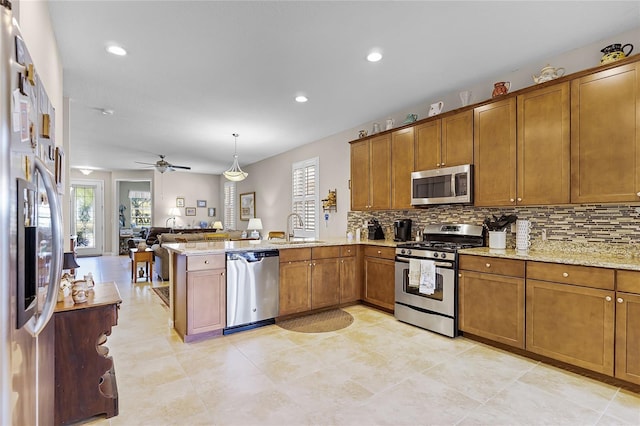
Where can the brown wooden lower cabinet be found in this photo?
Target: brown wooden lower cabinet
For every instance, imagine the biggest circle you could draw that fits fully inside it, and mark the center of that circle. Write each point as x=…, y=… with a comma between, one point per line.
x=379, y=276
x=349, y=284
x=325, y=283
x=492, y=306
x=295, y=286
x=628, y=337
x=572, y=324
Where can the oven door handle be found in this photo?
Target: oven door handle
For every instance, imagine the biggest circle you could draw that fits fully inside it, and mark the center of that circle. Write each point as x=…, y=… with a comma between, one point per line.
x=438, y=264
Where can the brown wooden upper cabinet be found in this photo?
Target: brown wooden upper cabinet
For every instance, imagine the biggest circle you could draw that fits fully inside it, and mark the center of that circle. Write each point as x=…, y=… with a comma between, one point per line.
x=605, y=142
x=371, y=173
x=402, y=155
x=522, y=149
x=444, y=142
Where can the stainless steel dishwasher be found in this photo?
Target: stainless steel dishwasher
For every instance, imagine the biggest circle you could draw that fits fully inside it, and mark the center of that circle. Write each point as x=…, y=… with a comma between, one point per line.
x=253, y=280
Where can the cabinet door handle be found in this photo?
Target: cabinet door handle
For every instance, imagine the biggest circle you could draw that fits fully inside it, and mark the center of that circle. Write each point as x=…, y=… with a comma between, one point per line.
x=459, y=275
x=442, y=164
x=437, y=164
x=206, y=262
x=512, y=200
x=620, y=300
x=638, y=194
x=608, y=298
x=519, y=199
x=488, y=265
x=565, y=274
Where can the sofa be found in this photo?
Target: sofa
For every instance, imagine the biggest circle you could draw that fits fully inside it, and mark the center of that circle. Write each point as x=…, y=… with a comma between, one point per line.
x=161, y=254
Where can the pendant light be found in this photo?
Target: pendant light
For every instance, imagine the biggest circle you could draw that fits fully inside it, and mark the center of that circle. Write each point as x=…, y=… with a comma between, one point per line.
x=235, y=173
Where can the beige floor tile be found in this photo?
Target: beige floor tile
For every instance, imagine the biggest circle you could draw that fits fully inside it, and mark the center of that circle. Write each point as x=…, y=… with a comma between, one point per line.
x=625, y=406
x=520, y=404
x=573, y=387
x=287, y=366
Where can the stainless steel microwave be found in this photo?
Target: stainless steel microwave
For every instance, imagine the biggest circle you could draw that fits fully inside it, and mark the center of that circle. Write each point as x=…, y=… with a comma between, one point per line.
x=447, y=185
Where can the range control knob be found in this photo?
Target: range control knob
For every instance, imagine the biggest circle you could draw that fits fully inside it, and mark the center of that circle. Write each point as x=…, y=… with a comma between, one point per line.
x=409, y=251
x=443, y=255
x=435, y=254
x=402, y=251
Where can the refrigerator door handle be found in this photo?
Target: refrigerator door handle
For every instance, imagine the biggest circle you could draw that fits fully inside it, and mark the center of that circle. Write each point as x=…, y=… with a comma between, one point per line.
x=39, y=322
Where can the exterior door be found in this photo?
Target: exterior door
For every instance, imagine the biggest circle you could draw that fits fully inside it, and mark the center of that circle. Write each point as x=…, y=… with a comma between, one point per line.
x=87, y=216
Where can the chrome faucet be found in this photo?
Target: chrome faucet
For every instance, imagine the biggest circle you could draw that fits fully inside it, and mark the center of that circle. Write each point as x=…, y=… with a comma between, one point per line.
x=289, y=233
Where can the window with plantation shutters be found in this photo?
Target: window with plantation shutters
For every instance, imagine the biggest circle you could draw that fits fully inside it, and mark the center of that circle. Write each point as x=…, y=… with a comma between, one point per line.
x=230, y=205
x=304, y=197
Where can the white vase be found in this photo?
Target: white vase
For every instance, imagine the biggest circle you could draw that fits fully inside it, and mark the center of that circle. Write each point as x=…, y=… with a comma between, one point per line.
x=498, y=239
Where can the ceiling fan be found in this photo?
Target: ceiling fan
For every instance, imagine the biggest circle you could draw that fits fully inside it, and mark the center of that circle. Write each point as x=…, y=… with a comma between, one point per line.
x=163, y=165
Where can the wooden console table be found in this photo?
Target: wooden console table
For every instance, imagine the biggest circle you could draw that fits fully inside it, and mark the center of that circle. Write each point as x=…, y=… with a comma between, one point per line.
x=84, y=373
x=141, y=256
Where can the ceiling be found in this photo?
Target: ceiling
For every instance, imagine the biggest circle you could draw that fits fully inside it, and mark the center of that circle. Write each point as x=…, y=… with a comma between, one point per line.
x=198, y=71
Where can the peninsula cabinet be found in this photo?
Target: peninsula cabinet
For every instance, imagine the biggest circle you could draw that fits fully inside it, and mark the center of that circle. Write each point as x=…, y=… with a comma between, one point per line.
x=371, y=173
x=379, y=276
x=605, y=141
x=522, y=149
x=628, y=326
x=445, y=142
x=571, y=314
x=402, y=146
x=492, y=299
x=200, y=295
x=325, y=276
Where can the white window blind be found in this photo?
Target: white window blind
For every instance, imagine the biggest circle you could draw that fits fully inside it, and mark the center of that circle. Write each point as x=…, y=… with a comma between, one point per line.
x=230, y=205
x=304, y=196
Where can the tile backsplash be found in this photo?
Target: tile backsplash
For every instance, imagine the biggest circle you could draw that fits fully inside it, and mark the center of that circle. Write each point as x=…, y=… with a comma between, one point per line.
x=587, y=223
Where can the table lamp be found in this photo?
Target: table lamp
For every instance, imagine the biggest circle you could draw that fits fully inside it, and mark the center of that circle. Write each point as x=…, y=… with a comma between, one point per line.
x=69, y=263
x=217, y=225
x=256, y=225
x=173, y=212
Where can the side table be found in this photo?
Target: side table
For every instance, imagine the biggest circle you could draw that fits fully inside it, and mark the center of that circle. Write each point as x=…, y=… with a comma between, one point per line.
x=84, y=373
x=141, y=256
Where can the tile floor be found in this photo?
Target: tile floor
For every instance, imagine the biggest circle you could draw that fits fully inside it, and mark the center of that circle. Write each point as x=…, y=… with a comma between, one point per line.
x=378, y=371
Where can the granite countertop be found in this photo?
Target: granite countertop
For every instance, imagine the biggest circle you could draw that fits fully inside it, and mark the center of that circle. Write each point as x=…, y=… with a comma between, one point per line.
x=221, y=247
x=601, y=255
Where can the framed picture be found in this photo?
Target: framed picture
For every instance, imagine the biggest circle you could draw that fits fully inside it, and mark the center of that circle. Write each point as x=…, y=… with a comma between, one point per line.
x=190, y=211
x=212, y=211
x=202, y=203
x=247, y=205
x=180, y=202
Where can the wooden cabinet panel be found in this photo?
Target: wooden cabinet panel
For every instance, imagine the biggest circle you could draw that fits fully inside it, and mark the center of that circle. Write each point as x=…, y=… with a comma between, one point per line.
x=379, y=282
x=371, y=173
x=628, y=337
x=325, y=252
x=380, y=169
x=571, y=324
x=205, y=261
x=543, y=147
x=295, y=287
x=350, y=290
x=325, y=283
x=402, y=162
x=572, y=274
x=428, y=137
x=349, y=250
x=492, y=306
x=494, y=127
x=457, y=139
x=378, y=251
x=360, y=179
x=492, y=265
x=293, y=255
x=605, y=141
x=628, y=281
x=206, y=299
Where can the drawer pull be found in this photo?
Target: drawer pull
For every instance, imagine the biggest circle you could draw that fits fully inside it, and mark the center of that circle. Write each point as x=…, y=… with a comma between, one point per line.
x=620, y=300
x=379, y=252
x=459, y=275
x=488, y=265
x=565, y=274
x=608, y=298
x=206, y=262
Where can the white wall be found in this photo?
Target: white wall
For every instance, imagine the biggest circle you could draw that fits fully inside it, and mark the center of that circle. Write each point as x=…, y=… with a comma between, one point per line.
x=270, y=178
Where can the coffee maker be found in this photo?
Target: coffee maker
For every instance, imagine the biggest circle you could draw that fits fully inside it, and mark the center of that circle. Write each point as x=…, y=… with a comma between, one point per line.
x=402, y=230
x=375, y=230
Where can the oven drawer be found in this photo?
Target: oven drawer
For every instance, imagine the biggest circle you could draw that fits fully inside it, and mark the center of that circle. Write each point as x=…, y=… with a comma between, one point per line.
x=492, y=265
x=586, y=276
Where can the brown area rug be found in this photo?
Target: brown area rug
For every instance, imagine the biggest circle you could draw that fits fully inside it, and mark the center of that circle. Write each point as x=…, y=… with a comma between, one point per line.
x=321, y=322
x=163, y=293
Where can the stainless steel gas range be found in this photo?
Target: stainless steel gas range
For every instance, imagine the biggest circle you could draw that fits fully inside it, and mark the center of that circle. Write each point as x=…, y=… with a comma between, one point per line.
x=426, y=276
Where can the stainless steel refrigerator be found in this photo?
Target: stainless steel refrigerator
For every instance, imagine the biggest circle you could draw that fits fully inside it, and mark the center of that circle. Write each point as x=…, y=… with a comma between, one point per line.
x=31, y=243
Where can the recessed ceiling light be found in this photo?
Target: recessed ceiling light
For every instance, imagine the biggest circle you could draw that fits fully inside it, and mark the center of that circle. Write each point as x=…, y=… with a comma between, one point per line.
x=106, y=111
x=301, y=98
x=374, y=56
x=116, y=50
x=86, y=172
